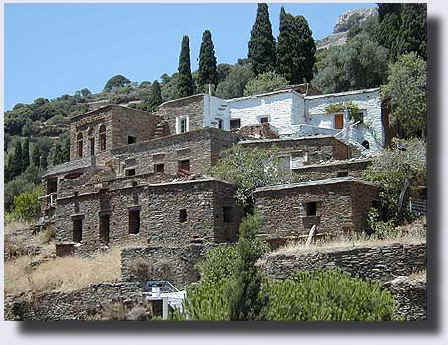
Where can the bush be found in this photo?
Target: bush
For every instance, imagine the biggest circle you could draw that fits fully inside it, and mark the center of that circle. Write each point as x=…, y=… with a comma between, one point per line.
x=265, y=82
x=329, y=295
x=27, y=205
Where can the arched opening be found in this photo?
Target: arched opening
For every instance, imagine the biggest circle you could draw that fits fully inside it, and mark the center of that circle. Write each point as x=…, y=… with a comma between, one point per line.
x=103, y=138
x=366, y=144
x=80, y=144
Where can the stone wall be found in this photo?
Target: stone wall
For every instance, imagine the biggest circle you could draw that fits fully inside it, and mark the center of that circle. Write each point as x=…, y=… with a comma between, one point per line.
x=340, y=206
x=410, y=296
x=82, y=304
x=192, y=106
x=175, y=264
x=381, y=262
x=200, y=147
x=331, y=169
x=203, y=203
x=320, y=148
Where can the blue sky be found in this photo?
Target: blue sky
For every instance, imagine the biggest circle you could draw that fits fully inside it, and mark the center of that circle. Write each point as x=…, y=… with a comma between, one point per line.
x=56, y=49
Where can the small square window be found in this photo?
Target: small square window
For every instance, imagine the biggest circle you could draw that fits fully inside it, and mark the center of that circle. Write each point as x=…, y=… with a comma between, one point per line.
x=227, y=213
x=184, y=166
x=310, y=208
x=159, y=168
x=342, y=173
x=264, y=119
x=183, y=215
x=220, y=123
x=132, y=139
x=130, y=172
x=235, y=123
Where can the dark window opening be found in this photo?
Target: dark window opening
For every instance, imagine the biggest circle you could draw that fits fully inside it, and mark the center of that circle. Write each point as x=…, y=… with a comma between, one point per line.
x=184, y=166
x=235, y=123
x=342, y=173
x=92, y=146
x=130, y=172
x=183, y=216
x=264, y=119
x=159, y=168
x=103, y=138
x=366, y=144
x=339, y=121
x=134, y=221
x=227, y=212
x=131, y=139
x=311, y=208
x=80, y=144
x=220, y=124
x=52, y=186
x=104, y=228
x=77, y=230
x=183, y=125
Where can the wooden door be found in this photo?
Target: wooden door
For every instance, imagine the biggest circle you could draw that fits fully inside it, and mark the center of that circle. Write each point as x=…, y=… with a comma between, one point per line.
x=339, y=121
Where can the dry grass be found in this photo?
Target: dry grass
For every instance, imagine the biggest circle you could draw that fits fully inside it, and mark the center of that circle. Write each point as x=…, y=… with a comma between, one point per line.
x=421, y=275
x=62, y=274
x=411, y=233
x=14, y=226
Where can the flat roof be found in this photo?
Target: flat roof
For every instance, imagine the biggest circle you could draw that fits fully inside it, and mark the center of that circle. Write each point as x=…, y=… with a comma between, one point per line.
x=69, y=166
x=289, y=139
x=335, y=180
x=345, y=93
x=335, y=163
x=106, y=107
x=263, y=95
x=182, y=99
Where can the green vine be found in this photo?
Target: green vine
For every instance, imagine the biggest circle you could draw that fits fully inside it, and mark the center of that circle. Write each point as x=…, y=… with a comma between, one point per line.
x=354, y=111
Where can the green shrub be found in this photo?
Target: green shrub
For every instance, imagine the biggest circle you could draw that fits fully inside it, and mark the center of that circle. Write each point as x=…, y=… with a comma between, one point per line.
x=218, y=264
x=27, y=205
x=329, y=295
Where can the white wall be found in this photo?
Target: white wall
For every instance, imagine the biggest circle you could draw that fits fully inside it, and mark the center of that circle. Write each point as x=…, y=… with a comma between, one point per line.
x=283, y=109
x=368, y=100
x=216, y=108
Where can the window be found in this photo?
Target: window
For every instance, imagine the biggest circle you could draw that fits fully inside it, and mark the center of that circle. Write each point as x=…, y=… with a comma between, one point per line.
x=365, y=144
x=264, y=119
x=104, y=228
x=183, y=215
x=310, y=208
x=235, y=123
x=182, y=125
x=132, y=139
x=184, y=166
x=92, y=146
x=77, y=230
x=130, y=172
x=103, y=138
x=342, y=173
x=227, y=213
x=220, y=123
x=80, y=144
x=159, y=168
x=339, y=121
x=134, y=221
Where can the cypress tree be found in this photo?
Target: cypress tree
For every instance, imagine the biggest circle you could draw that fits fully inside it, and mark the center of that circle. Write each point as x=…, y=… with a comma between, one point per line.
x=16, y=168
x=185, y=83
x=261, y=44
x=35, y=156
x=26, y=154
x=156, y=95
x=413, y=29
x=207, y=61
x=57, y=156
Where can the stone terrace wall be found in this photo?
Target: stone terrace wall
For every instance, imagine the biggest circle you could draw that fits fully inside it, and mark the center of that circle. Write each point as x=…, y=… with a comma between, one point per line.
x=410, y=296
x=319, y=149
x=201, y=148
x=80, y=304
x=383, y=262
x=323, y=171
x=175, y=264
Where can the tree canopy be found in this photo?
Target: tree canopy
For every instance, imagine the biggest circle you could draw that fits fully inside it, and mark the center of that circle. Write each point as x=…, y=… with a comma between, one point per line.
x=262, y=54
x=116, y=82
x=265, y=82
x=295, y=49
x=235, y=82
x=185, y=83
x=207, y=61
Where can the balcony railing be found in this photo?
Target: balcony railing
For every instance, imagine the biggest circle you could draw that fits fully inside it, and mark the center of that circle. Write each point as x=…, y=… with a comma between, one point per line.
x=49, y=199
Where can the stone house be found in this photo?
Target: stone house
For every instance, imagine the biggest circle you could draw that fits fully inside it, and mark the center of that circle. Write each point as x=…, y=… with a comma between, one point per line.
x=335, y=205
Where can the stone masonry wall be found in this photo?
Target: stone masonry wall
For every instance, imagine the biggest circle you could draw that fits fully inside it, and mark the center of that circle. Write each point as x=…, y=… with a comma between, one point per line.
x=80, y=304
x=160, y=214
x=330, y=170
x=382, y=262
x=175, y=264
x=192, y=106
x=319, y=149
x=202, y=148
x=338, y=208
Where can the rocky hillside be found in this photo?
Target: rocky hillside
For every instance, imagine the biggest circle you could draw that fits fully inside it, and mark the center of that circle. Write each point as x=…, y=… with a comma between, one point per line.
x=345, y=22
